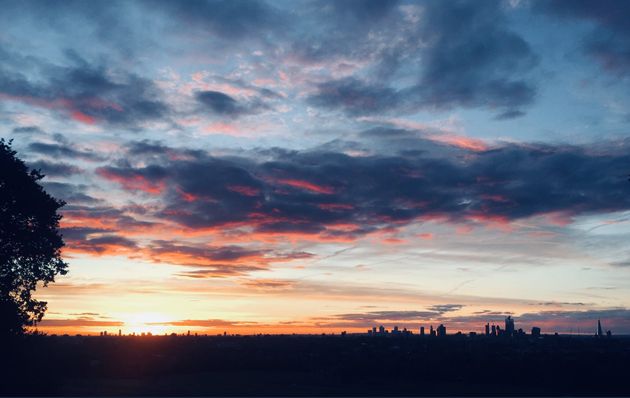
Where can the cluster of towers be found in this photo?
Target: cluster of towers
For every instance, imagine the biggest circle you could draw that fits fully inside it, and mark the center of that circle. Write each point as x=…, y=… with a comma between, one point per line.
x=509, y=330
x=382, y=331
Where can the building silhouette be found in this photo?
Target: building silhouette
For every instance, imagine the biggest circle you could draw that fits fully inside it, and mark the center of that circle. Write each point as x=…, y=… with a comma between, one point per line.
x=441, y=330
x=509, y=326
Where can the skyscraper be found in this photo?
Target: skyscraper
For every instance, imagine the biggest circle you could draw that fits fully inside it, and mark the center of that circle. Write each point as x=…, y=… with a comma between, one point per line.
x=600, y=332
x=509, y=326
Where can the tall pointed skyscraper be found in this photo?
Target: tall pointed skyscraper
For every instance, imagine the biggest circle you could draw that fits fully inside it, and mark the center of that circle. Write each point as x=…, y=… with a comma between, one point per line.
x=600, y=332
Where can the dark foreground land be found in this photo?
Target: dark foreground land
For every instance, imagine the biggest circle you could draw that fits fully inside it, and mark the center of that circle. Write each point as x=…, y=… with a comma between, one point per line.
x=315, y=365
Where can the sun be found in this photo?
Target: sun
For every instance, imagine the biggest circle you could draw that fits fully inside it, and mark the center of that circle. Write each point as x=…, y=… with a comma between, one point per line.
x=145, y=322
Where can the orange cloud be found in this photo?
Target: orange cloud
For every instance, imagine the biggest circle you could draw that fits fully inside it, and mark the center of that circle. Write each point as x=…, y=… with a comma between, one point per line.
x=309, y=186
x=133, y=182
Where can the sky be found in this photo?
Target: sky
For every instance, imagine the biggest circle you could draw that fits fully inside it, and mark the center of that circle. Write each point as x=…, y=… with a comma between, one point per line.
x=318, y=166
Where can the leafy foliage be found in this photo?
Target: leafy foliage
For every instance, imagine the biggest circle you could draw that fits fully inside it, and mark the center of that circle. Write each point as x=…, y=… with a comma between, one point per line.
x=30, y=243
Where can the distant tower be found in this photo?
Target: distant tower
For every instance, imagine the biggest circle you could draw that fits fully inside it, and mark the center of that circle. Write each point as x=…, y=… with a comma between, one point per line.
x=381, y=329
x=431, y=331
x=494, y=330
x=600, y=332
x=119, y=332
x=535, y=331
x=441, y=330
x=509, y=326
x=487, y=329
x=421, y=330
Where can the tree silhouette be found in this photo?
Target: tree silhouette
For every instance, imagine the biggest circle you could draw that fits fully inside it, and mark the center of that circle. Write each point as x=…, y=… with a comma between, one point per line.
x=30, y=242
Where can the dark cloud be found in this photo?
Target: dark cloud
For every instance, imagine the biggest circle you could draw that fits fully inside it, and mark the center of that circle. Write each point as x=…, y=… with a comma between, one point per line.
x=102, y=244
x=615, y=314
x=221, y=271
x=80, y=233
x=609, y=41
x=444, y=308
x=205, y=253
x=57, y=169
x=222, y=104
x=372, y=317
x=469, y=58
x=72, y=194
x=474, y=59
x=216, y=261
x=107, y=24
x=63, y=151
x=27, y=130
x=621, y=263
x=218, y=102
x=225, y=19
x=311, y=192
x=87, y=93
x=377, y=317
x=355, y=97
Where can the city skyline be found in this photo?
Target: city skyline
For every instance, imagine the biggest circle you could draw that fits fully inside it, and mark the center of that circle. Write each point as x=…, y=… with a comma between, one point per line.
x=317, y=167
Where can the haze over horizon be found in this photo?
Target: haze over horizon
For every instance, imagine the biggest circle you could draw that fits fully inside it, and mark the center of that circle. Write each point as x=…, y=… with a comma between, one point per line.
x=312, y=166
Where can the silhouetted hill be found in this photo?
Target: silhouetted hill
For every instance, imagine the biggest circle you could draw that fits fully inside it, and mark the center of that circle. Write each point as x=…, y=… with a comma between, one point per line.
x=316, y=365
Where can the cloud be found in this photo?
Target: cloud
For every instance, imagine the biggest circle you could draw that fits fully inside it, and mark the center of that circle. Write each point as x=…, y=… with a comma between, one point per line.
x=473, y=59
x=225, y=19
x=109, y=244
x=27, y=130
x=79, y=322
x=202, y=254
x=58, y=169
x=372, y=317
x=268, y=284
x=72, y=194
x=221, y=271
x=87, y=93
x=468, y=58
x=207, y=323
x=312, y=192
x=149, y=179
x=616, y=319
x=609, y=41
x=355, y=97
x=63, y=151
x=222, y=104
x=444, y=308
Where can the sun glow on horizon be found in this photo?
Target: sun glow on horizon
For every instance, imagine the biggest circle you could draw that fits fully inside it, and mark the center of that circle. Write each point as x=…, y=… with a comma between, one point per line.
x=145, y=322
